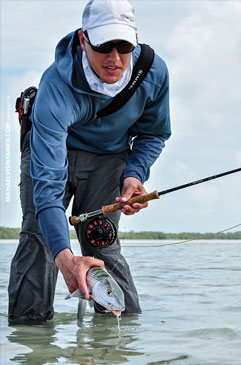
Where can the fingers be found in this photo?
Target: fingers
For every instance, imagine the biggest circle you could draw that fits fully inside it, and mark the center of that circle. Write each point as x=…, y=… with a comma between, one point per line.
x=83, y=287
x=132, y=187
x=83, y=266
x=74, y=270
x=131, y=209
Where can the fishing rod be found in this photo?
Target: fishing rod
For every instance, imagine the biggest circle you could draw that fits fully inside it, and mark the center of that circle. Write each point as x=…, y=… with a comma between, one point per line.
x=108, y=209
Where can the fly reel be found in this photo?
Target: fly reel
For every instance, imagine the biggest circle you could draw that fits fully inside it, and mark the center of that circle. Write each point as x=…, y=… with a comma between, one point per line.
x=100, y=232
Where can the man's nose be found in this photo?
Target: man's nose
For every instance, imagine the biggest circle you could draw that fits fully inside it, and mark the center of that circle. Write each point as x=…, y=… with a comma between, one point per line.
x=114, y=55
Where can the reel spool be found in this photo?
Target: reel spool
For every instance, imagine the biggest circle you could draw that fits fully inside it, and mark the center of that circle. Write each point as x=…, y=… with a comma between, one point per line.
x=100, y=232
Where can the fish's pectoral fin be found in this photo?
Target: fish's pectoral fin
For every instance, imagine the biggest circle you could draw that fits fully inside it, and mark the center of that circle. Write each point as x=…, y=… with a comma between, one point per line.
x=81, y=309
x=91, y=302
x=76, y=294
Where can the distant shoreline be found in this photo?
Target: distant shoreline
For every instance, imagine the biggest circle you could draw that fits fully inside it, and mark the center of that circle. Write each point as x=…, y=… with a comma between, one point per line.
x=13, y=233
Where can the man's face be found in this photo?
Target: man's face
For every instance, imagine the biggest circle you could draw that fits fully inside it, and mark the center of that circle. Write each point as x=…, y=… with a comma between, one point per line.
x=108, y=66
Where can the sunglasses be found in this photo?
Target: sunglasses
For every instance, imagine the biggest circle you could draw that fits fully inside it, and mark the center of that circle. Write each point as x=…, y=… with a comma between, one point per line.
x=122, y=47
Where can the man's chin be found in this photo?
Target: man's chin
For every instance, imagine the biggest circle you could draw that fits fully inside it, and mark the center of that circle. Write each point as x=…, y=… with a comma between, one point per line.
x=110, y=79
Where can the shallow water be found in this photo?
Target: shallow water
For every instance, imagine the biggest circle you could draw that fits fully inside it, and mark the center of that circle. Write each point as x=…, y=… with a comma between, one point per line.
x=191, y=300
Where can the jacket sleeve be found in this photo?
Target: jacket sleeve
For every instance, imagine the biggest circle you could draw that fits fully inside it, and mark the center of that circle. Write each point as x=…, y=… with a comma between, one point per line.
x=49, y=163
x=149, y=134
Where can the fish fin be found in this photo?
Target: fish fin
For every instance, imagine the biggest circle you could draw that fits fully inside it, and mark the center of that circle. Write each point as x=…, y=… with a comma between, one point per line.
x=81, y=309
x=76, y=294
x=91, y=303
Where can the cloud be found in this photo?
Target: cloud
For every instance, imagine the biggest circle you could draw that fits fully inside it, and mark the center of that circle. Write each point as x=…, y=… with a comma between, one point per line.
x=238, y=158
x=18, y=83
x=204, y=198
x=182, y=170
x=31, y=29
x=205, y=58
x=201, y=44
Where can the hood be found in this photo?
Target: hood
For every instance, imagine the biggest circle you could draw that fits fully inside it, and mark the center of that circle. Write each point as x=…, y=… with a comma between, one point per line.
x=68, y=62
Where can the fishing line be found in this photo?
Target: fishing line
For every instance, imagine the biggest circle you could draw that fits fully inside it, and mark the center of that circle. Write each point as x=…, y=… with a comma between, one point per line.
x=115, y=263
x=179, y=242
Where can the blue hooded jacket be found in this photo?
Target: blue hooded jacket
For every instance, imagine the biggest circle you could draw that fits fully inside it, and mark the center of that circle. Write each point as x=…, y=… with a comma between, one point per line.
x=64, y=114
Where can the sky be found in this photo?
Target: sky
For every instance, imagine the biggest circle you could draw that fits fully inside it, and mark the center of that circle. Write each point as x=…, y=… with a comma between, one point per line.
x=200, y=42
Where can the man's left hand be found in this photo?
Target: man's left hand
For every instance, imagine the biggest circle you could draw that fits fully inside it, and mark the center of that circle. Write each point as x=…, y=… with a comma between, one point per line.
x=132, y=187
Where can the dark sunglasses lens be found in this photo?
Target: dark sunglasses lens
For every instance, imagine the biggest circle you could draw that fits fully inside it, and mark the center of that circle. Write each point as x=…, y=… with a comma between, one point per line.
x=105, y=47
x=122, y=47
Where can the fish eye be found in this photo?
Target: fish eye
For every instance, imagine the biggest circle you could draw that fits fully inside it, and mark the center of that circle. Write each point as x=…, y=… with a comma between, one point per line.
x=109, y=292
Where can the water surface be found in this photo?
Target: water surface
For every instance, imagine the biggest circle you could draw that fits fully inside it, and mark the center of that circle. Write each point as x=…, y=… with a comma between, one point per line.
x=191, y=300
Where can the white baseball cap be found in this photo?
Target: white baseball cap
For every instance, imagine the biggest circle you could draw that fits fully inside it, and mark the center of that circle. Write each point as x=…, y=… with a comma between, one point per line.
x=107, y=20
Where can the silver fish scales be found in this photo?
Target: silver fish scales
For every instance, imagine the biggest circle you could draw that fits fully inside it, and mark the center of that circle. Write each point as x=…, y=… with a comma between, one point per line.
x=104, y=290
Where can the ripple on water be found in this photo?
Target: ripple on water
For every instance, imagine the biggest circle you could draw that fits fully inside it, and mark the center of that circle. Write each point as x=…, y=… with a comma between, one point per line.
x=208, y=333
x=185, y=320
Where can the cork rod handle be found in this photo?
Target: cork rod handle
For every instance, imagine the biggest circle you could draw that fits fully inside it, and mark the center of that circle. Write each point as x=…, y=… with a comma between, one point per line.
x=108, y=209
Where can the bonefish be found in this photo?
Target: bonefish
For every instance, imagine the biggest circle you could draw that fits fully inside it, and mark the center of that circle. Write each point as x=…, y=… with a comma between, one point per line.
x=104, y=290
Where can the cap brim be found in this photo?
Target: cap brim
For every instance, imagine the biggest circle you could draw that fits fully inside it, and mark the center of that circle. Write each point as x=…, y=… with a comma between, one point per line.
x=112, y=32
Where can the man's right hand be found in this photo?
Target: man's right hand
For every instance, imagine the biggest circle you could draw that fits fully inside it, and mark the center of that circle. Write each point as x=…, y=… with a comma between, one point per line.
x=74, y=269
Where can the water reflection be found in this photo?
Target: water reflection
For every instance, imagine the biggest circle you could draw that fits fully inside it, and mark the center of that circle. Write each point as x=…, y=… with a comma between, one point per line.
x=62, y=341
x=182, y=314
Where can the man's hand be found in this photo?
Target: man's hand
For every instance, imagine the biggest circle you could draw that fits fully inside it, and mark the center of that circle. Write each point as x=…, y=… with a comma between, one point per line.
x=74, y=270
x=132, y=187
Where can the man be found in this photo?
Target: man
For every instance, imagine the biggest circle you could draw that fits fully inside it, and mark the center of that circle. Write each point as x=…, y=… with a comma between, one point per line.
x=103, y=155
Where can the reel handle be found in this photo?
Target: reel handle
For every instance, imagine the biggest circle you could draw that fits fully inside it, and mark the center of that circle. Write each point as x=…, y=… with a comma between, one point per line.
x=108, y=209
x=73, y=221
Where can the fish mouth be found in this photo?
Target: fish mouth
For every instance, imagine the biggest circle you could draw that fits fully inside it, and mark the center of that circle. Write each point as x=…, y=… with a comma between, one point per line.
x=108, y=308
x=116, y=312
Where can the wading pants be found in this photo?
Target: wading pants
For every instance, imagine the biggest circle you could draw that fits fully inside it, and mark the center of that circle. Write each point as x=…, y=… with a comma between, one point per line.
x=93, y=181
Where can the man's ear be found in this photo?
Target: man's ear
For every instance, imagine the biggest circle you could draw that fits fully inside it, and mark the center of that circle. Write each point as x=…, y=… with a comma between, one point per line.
x=82, y=40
